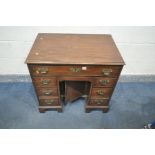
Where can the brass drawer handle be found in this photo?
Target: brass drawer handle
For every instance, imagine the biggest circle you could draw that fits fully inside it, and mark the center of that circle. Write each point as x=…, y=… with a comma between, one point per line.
x=106, y=72
x=42, y=70
x=45, y=82
x=47, y=93
x=99, y=101
x=75, y=70
x=49, y=101
x=100, y=92
x=104, y=82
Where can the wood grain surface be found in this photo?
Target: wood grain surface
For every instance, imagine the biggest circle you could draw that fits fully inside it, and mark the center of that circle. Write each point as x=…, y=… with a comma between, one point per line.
x=74, y=49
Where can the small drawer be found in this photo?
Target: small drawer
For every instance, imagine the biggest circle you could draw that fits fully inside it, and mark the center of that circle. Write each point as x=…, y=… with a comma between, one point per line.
x=104, y=82
x=47, y=91
x=44, y=82
x=80, y=70
x=101, y=92
x=98, y=102
x=49, y=102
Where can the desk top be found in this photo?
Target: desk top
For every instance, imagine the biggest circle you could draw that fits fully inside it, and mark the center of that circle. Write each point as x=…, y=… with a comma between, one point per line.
x=91, y=49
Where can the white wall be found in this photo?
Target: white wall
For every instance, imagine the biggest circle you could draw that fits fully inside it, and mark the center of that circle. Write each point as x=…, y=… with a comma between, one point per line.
x=136, y=44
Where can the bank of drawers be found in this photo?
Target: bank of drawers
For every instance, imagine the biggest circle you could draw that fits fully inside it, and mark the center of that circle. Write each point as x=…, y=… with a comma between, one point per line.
x=102, y=90
x=47, y=91
x=45, y=81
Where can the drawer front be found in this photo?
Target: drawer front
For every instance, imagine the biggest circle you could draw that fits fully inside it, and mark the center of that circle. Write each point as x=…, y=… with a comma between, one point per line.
x=47, y=92
x=98, y=102
x=104, y=82
x=106, y=71
x=49, y=102
x=101, y=92
x=44, y=82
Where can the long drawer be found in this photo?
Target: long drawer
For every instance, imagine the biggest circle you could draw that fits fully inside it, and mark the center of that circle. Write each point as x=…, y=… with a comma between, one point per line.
x=79, y=70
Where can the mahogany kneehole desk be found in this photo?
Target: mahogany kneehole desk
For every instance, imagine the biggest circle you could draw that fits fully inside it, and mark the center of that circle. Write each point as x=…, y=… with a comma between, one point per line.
x=64, y=67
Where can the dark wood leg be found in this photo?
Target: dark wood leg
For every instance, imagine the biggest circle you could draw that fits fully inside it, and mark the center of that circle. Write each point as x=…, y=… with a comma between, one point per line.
x=59, y=110
x=105, y=110
x=42, y=110
x=87, y=110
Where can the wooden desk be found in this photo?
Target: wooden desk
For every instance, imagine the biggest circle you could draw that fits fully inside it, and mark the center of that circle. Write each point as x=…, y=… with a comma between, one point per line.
x=64, y=67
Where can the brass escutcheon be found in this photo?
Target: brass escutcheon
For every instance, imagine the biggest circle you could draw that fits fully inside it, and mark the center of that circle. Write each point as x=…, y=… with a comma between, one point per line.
x=104, y=82
x=106, y=71
x=75, y=70
x=100, y=92
x=99, y=101
x=49, y=101
x=45, y=82
x=42, y=70
x=47, y=93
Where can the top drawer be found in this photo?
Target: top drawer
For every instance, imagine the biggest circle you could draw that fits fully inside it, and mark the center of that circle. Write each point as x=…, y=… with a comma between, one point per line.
x=80, y=70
